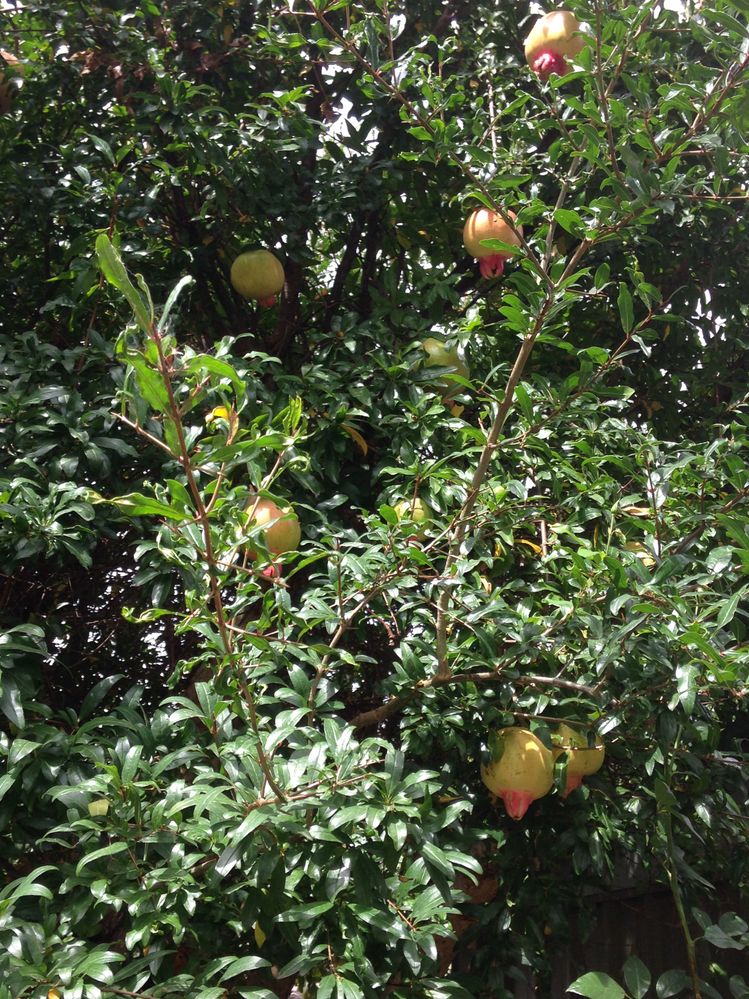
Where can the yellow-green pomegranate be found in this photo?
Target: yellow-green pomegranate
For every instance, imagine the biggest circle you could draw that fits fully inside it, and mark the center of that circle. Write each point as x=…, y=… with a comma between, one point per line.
x=416, y=511
x=280, y=525
x=582, y=759
x=258, y=274
x=520, y=769
x=439, y=355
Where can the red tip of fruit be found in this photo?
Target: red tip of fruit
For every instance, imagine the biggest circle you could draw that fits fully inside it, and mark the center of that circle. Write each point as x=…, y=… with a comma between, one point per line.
x=267, y=303
x=547, y=63
x=573, y=782
x=271, y=571
x=492, y=266
x=517, y=803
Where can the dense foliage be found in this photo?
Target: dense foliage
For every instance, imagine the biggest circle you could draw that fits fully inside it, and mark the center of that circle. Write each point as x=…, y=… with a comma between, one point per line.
x=225, y=775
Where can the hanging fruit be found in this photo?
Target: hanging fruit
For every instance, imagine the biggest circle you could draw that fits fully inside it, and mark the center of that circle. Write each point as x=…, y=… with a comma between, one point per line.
x=553, y=39
x=258, y=274
x=482, y=225
x=520, y=769
x=582, y=758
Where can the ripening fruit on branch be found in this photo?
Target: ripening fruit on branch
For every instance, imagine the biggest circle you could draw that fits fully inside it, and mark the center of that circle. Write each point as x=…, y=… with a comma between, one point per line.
x=416, y=511
x=483, y=224
x=258, y=274
x=280, y=526
x=439, y=355
x=520, y=769
x=582, y=759
x=553, y=39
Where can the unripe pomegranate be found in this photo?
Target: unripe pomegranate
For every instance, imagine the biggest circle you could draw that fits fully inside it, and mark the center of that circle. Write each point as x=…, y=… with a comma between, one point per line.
x=582, y=759
x=439, y=355
x=483, y=224
x=553, y=39
x=258, y=274
x=417, y=511
x=280, y=526
x=520, y=770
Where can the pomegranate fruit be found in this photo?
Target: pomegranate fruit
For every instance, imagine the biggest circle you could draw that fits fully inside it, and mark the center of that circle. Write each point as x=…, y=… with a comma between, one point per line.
x=483, y=224
x=582, y=759
x=416, y=511
x=520, y=769
x=280, y=526
x=271, y=571
x=553, y=39
x=258, y=274
x=439, y=355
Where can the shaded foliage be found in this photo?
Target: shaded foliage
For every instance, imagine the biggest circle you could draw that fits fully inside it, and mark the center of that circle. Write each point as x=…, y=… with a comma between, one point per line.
x=220, y=782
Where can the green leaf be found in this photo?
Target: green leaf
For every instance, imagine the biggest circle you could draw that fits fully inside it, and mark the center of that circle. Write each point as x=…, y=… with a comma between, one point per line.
x=114, y=271
x=104, y=148
x=21, y=748
x=138, y=505
x=728, y=607
x=637, y=978
x=438, y=858
x=6, y=783
x=524, y=401
x=626, y=309
x=304, y=914
x=97, y=694
x=597, y=985
x=686, y=685
x=719, y=559
x=132, y=761
x=27, y=887
x=671, y=983
x=105, y=851
x=243, y=964
x=570, y=221
x=215, y=366
x=739, y=988
x=719, y=937
x=171, y=301
x=150, y=383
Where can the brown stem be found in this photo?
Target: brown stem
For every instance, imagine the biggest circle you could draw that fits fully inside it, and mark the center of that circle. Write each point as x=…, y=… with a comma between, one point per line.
x=391, y=706
x=211, y=561
x=603, y=97
x=461, y=522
